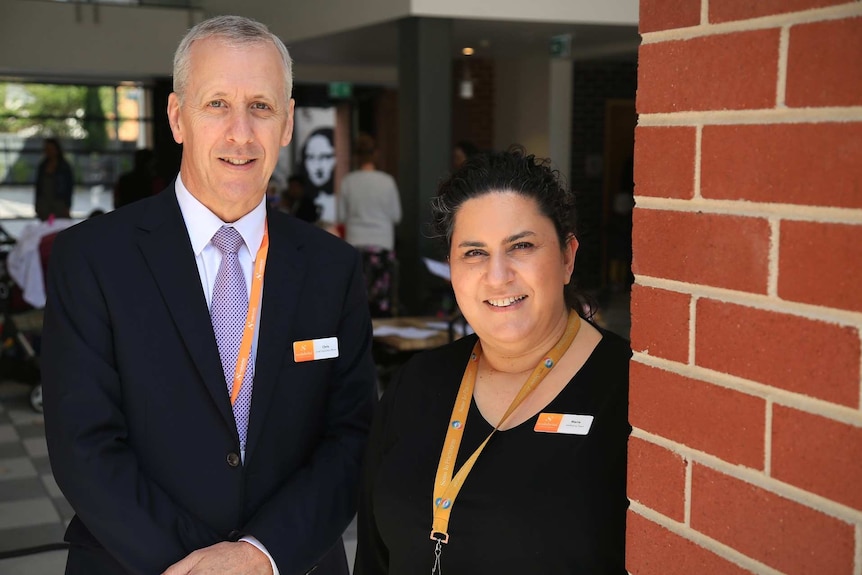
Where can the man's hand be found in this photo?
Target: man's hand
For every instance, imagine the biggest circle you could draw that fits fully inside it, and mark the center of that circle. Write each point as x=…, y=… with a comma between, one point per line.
x=240, y=558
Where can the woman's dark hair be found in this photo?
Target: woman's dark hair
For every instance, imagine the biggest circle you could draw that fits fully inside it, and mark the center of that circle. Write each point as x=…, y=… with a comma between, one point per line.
x=510, y=171
x=364, y=149
x=56, y=143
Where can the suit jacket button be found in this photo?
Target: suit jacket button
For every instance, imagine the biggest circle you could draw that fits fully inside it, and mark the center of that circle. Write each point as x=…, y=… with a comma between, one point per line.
x=234, y=535
x=233, y=459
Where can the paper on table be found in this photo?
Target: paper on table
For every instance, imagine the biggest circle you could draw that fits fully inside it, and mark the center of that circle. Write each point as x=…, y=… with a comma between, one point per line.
x=439, y=269
x=405, y=332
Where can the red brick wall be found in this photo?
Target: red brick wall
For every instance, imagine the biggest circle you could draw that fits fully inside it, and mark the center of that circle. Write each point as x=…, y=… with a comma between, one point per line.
x=746, y=393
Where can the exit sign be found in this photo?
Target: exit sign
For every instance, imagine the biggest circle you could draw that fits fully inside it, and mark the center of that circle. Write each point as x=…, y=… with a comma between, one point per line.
x=340, y=90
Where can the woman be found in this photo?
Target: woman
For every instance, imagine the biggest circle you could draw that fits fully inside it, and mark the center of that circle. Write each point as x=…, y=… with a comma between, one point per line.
x=547, y=492
x=54, y=183
x=370, y=208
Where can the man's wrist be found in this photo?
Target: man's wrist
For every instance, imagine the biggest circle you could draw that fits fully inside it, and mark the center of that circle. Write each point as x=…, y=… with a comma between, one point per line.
x=254, y=541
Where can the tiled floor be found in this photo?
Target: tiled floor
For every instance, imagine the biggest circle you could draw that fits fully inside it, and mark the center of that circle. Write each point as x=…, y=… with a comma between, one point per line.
x=33, y=512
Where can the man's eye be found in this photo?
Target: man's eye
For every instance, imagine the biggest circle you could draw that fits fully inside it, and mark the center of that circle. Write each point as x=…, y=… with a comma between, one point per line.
x=522, y=246
x=216, y=104
x=260, y=106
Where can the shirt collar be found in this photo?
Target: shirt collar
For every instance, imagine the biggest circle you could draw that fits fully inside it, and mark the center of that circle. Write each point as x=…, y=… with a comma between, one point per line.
x=202, y=224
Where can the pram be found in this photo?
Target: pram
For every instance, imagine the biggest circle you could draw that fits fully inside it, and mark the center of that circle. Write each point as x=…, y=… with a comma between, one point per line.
x=20, y=330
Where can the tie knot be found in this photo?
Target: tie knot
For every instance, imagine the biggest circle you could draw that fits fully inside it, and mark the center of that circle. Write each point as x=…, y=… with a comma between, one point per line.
x=227, y=239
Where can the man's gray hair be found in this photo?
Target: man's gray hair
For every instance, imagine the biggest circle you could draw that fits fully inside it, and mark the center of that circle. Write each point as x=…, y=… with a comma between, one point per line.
x=235, y=31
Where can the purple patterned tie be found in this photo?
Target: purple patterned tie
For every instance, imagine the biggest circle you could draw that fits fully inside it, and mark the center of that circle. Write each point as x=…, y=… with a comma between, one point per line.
x=228, y=310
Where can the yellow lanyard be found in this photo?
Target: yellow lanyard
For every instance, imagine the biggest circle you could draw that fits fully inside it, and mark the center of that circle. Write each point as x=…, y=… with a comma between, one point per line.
x=446, y=487
x=251, y=316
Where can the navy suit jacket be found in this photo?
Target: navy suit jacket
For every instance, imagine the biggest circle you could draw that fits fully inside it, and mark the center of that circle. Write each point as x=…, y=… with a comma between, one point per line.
x=140, y=431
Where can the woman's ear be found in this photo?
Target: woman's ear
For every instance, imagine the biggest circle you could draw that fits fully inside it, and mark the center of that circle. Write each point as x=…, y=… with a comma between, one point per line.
x=569, y=251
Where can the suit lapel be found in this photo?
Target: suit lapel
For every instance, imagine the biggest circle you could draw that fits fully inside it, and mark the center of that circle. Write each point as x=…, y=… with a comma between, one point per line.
x=168, y=252
x=282, y=283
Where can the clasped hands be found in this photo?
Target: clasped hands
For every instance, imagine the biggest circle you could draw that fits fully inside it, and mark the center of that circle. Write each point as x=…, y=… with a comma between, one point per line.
x=226, y=558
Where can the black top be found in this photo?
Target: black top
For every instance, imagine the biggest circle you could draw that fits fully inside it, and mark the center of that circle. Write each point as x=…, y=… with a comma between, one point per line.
x=533, y=503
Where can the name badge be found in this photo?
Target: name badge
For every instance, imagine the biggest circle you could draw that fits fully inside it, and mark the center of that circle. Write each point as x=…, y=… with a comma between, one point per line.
x=314, y=349
x=564, y=423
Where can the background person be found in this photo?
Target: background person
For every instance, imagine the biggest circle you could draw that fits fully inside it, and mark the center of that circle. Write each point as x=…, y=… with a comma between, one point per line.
x=54, y=182
x=548, y=492
x=167, y=470
x=370, y=208
x=139, y=183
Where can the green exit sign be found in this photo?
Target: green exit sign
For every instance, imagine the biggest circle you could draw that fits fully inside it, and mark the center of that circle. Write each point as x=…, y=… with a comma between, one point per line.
x=340, y=90
x=560, y=46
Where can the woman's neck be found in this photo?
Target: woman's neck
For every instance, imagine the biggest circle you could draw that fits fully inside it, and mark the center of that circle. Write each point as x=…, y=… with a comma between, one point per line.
x=514, y=360
x=367, y=167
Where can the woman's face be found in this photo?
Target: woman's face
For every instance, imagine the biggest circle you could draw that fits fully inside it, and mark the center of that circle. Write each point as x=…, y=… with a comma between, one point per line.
x=508, y=270
x=319, y=160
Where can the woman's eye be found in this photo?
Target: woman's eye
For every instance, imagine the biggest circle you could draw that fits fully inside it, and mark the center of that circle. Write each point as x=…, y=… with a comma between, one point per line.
x=473, y=253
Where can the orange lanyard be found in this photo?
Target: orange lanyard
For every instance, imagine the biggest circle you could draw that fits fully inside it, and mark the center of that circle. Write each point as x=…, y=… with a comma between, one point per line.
x=446, y=487
x=251, y=316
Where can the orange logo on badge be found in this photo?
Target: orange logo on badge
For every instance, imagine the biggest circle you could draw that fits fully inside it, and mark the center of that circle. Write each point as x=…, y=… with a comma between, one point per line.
x=548, y=422
x=303, y=351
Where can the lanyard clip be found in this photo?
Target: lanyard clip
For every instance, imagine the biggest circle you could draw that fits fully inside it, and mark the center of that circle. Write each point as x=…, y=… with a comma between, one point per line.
x=439, y=536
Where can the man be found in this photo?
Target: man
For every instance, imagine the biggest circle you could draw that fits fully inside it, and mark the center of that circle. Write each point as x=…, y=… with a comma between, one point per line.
x=177, y=454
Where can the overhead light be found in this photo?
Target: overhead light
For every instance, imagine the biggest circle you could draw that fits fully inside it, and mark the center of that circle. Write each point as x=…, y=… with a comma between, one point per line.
x=467, y=51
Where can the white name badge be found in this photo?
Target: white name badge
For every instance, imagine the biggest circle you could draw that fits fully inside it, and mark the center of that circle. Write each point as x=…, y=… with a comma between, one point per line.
x=567, y=423
x=312, y=350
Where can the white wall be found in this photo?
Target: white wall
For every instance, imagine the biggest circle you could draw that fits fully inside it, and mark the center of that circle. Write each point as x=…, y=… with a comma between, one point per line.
x=586, y=11
x=301, y=19
x=118, y=42
x=521, y=96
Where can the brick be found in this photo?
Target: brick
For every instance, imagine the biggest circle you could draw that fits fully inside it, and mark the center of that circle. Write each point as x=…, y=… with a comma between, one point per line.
x=658, y=15
x=653, y=550
x=820, y=264
x=730, y=10
x=807, y=164
x=783, y=534
x=801, y=355
x=722, y=422
x=656, y=478
x=664, y=162
x=717, y=250
x=736, y=71
x=818, y=455
x=660, y=322
x=824, y=64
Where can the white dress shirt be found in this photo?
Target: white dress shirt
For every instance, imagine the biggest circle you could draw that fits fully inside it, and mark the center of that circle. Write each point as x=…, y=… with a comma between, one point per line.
x=201, y=225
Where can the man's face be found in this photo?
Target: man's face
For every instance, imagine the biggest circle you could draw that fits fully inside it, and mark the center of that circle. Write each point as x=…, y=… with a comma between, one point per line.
x=319, y=160
x=232, y=121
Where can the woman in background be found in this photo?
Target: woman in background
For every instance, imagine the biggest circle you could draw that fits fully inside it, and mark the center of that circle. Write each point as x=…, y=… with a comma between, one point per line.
x=370, y=208
x=545, y=389
x=54, y=183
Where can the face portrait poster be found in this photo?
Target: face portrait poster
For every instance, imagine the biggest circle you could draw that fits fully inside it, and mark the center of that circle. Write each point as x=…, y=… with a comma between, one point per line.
x=314, y=134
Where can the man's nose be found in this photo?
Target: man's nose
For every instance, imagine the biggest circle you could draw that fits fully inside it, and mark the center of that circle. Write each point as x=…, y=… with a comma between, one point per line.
x=239, y=130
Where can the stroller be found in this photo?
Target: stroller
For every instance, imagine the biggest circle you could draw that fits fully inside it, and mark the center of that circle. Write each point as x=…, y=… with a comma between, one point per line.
x=20, y=330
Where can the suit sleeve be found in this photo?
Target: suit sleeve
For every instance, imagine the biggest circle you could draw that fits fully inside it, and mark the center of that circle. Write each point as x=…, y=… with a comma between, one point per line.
x=311, y=510
x=88, y=441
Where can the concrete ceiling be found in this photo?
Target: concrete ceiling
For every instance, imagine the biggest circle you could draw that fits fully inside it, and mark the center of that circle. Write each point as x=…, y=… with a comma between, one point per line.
x=377, y=45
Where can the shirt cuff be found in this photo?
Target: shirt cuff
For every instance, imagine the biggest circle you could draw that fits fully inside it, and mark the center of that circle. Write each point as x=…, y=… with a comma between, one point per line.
x=259, y=545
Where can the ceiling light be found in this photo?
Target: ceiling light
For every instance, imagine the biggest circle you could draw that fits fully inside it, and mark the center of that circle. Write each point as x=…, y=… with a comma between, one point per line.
x=467, y=51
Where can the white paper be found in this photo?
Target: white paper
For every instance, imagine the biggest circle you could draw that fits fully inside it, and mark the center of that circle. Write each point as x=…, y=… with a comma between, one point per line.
x=439, y=269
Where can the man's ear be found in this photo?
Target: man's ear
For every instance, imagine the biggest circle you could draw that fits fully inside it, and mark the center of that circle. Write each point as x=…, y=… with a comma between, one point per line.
x=174, y=117
x=287, y=135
